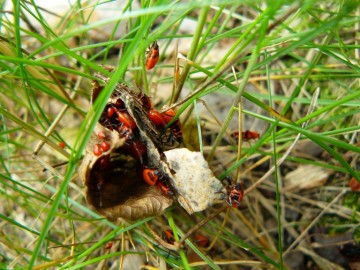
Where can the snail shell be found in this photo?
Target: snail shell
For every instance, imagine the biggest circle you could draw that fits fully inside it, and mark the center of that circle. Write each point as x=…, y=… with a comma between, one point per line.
x=113, y=186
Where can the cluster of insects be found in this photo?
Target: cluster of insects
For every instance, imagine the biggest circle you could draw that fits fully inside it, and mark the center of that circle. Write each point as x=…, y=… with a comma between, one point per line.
x=116, y=117
x=132, y=142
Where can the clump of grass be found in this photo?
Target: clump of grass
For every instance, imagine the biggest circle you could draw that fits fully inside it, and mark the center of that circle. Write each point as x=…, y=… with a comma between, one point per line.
x=254, y=67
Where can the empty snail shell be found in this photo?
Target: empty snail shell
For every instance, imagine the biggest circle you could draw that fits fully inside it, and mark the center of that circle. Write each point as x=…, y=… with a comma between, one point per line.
x=112, y=185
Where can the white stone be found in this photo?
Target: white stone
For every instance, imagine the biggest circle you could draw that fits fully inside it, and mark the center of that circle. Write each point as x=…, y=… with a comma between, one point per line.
x=195, y=183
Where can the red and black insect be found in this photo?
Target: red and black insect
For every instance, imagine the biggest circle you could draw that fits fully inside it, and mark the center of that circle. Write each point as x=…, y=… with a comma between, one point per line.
x=97, y=150
x=152, y=56
x=202, y=241
x=354, y=185
x=105, y=146
x=245, y=135
x=62, y=144
x=235, y=195
x=110, y=112
x=166, y=189
x=151, y=175
x=108, y=245
x=125, y=132
x=168, y=115
x=145, y=101
x=168, y=235
x=101, y=136
x=156, y=118
x=126, y=119
x=119, y=104
x=126, y=125
x=176, y=128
